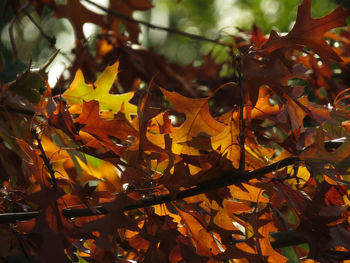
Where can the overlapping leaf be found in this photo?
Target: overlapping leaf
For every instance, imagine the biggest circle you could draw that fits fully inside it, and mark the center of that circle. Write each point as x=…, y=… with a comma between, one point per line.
x=79, y=91
x=198, y=121
x=308, y=31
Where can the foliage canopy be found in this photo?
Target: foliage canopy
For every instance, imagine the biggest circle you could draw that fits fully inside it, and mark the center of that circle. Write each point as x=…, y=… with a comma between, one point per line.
x=244, y=159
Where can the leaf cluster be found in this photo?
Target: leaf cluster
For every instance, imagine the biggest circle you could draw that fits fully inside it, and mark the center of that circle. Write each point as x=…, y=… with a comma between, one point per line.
x=155, y=162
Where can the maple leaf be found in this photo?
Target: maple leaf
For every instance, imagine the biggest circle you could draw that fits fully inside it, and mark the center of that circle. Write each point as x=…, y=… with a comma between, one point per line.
x=79, y=91
x=198, y=120
x=308, y=31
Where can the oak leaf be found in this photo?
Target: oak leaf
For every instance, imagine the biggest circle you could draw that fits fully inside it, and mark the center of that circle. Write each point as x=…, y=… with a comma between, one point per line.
x=309, y=32
x=109, y=223
x=198, y=120
x=79, y=91
x=93, y=124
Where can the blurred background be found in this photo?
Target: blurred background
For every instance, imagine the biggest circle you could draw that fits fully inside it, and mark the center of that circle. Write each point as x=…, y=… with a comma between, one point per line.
x=212, y=19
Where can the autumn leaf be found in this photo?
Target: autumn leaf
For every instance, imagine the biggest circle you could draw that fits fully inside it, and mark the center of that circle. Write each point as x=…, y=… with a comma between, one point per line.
x=93, y=124
x=126, y=8
x=273, y=74
x=79, y=91
x=226, y=143
x=109, y=224
x=308, y=31
x=317, y=152
x=70, y=11
x=61, y=119
x=198, y=120
x=204, y=242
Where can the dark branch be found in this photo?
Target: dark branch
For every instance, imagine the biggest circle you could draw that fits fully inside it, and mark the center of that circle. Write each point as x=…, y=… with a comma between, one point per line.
x=241, y=116
x=226, y=179
x=170, y=30
x=19, y=216
x=286, y=239
x=51, y=40
x=20, y=111
x=46, y=160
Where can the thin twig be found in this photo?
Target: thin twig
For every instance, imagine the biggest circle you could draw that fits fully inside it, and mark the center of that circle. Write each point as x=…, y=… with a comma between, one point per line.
x=227, y=179
x=147, y=24
x=15, y=110
x=51, y=40
x=46, y=160
x=6, y=218
x=12, y=39
x=241, y=116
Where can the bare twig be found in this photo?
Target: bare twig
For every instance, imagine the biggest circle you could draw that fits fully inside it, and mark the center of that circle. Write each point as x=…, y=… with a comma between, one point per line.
x=227, y=179
x=12, y=39
x=241, y=116
x=15, y=110
x=46, y=160
x=51, y=40
x=6, y=218
x=286, y=238
x=147, y=24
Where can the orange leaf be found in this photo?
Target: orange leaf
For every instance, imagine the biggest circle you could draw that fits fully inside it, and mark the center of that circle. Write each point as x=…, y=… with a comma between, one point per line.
x=198, y=120
x=203, y=240
x=93, y=124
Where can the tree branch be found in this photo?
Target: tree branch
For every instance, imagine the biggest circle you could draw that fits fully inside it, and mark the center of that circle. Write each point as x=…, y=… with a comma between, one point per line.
x=286, y=239
x=169, y=30
x=226, y=180
x=51, y=40
x=7, y=218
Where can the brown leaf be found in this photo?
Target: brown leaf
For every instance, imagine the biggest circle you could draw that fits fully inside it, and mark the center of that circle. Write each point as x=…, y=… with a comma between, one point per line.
x=78, y=15
x=127, y=7
x=309, y=31
x=93, y=124
x=111, y=222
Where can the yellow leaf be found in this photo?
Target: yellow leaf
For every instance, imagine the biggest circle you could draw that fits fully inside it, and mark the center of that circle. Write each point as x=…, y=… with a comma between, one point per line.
x=79, y=91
